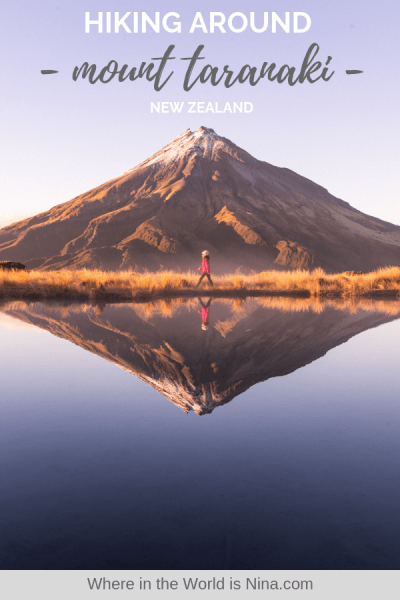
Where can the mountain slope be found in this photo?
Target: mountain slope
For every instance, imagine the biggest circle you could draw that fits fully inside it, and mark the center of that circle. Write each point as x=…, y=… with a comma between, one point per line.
x=202, y=191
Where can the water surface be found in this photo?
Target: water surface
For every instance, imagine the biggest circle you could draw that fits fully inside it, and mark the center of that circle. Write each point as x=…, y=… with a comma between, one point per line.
x=270, y=439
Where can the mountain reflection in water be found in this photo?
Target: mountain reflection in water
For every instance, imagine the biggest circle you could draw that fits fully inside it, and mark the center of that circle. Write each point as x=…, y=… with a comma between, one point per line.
x=201, y=354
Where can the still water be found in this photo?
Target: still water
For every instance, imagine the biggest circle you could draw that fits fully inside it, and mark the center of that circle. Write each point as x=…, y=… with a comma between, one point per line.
x=257, y=435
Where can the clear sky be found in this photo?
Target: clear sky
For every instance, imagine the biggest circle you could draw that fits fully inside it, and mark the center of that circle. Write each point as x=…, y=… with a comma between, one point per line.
x=61, y=138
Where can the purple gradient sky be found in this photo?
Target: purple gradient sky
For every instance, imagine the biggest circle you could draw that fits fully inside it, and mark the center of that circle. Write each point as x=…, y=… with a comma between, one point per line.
x=61, y=138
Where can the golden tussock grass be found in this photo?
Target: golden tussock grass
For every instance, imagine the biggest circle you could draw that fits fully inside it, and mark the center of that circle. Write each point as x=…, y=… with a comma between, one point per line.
x=130, y=285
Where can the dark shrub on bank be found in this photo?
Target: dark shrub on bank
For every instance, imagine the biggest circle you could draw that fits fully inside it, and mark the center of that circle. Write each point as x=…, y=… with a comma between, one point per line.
x=12, y=266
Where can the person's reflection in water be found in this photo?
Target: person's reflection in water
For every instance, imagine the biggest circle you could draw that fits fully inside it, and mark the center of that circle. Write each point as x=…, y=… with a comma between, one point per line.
x=205, y=316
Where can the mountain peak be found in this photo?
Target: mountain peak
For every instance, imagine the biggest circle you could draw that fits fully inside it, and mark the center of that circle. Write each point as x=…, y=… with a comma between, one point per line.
x=200, y=142
x=201, y=132
x=206, y=132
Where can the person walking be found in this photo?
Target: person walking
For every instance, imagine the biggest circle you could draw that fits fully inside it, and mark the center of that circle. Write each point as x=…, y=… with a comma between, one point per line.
x=205, y=317
x=205, y=268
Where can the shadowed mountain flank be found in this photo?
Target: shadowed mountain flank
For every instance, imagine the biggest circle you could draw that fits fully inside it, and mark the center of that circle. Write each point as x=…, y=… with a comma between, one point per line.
x=202, y=191
x=201, y=355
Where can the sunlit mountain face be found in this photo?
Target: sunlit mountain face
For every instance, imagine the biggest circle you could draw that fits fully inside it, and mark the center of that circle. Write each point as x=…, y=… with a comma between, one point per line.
x=202, y=191
x=201, y=353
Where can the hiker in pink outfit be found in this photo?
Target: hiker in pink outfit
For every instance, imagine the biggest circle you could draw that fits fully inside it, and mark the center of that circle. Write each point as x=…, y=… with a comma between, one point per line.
x=205, y=318
x=205, y=268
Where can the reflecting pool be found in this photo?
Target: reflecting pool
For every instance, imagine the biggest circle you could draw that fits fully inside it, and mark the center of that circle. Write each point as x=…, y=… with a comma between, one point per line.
x=257, y=434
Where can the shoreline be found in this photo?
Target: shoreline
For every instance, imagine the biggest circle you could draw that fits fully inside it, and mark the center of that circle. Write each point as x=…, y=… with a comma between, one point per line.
x=146, y=296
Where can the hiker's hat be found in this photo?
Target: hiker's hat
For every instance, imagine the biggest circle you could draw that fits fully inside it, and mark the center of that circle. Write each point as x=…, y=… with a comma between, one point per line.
x=204, y=327
x=205, y=253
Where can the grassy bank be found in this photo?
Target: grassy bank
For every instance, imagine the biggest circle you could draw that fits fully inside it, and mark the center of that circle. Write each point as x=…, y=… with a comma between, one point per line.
x=128, y=285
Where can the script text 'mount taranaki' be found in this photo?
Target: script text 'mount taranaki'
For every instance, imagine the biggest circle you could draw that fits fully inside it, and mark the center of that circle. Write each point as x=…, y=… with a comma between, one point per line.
x=311, y=70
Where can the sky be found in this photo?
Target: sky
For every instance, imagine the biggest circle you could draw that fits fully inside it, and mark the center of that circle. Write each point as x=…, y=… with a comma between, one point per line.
x=62, y=137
